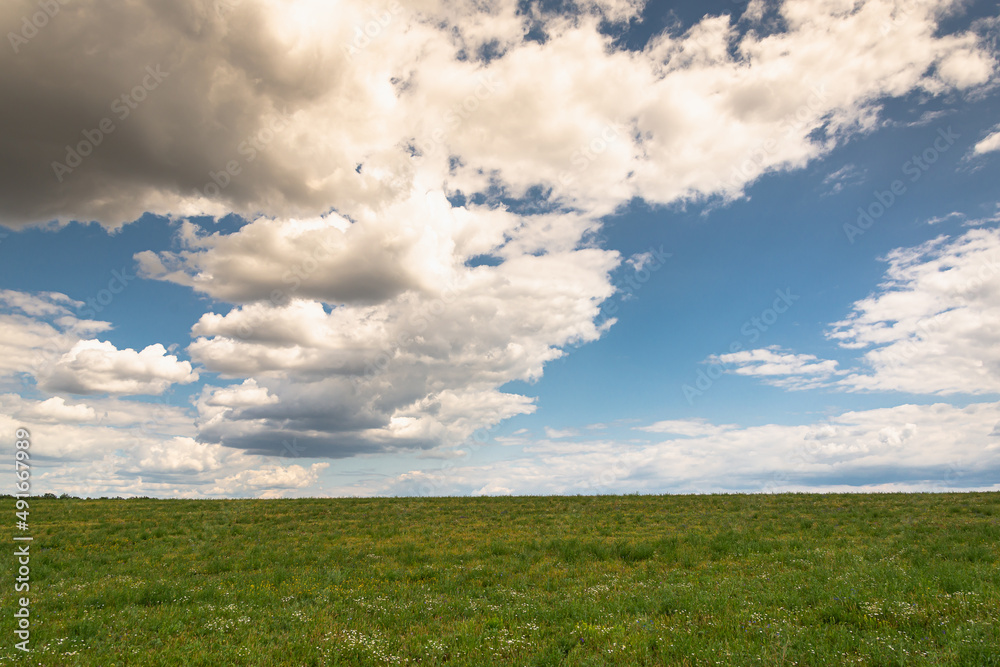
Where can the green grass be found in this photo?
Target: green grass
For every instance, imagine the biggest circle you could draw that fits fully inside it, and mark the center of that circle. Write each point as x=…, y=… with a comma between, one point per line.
x=607, y=580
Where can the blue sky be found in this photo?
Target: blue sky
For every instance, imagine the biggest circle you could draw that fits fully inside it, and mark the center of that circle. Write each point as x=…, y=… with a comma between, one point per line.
x=605, y=247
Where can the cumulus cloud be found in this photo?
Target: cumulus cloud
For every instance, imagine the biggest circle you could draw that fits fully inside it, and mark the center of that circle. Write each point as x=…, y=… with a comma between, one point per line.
x=42, y=339
x=112, y=446
x=420, y=368
x=36, y=329
x=265, y=106
x=96, y=367
x=421, y=200
x=56, y=410
x=269, y=482
x=90, y=429
x=377, y=325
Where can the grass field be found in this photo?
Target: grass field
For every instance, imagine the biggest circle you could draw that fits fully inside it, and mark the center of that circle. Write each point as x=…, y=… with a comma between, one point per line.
x=606, y=580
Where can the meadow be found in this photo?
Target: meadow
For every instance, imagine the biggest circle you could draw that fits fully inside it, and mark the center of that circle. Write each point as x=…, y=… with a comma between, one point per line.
x=789, y=579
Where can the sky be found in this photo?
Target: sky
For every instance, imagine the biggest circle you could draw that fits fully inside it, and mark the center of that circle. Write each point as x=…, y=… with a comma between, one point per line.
x=282, y=248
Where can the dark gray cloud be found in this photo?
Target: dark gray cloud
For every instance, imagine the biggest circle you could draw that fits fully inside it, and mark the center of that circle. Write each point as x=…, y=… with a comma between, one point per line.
x=150, y=97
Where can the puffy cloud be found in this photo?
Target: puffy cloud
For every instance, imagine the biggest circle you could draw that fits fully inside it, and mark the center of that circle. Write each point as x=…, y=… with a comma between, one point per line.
x=410, y=372
x=56, y=410
x=291, y=109
x=270, y=481
x=393, y=320
x=176, y=455
x=421, y=197
x=111, y=446
x=39, y=305
x=36, y=329
x=96, y=367
x=91, y=430
x=932, y=326
x=408, y=246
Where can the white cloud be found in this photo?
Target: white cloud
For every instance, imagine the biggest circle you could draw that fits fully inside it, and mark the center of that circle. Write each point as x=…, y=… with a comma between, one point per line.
x=778, y=367
x=56, y=410
x=988, y=144
x=36, y=329
x=358, y=315
x=40, y=338
x=176, y=455
x=846, y=176
x=272, y=481
x=754, y=11
x=111, y=446
x=944, y=218
x=246, y=395
x=40, y=304
x=280, y=109
x=417, y=368
x=641, y=260
x=906, y=448
x=96, y=367
x=685, y=427
x=378, y=307
x=774, y=361
x=932, y=326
